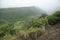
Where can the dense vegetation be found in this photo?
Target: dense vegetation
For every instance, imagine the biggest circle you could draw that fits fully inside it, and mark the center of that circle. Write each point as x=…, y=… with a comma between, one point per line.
x=16, y=24
x=55, y=18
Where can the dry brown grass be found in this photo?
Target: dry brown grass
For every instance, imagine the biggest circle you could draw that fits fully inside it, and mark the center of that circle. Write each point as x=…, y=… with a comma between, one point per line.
x=32, y=35
x=51, y=34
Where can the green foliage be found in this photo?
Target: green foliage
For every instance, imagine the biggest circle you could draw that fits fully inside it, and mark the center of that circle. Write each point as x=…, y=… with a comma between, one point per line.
x=19, y=25
x=55, y=18
x=52, y=20
x=57, y=14
x=4, y=29
x=40, y=22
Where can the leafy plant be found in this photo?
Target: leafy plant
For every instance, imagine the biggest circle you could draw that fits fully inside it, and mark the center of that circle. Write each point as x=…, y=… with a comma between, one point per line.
x=54, y=19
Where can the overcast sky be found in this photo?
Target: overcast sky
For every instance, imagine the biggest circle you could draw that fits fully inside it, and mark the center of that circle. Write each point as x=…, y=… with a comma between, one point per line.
x=46, y=5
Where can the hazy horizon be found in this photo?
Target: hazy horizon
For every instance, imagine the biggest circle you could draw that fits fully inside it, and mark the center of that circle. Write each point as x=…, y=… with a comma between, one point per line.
x=46, y=5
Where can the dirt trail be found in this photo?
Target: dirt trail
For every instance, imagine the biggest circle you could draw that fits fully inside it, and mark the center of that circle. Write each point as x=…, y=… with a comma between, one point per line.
x=52, y=34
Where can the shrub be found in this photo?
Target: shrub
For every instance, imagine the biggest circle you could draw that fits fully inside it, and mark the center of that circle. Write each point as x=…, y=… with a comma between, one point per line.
x=40, y=22
x=54, y=19
x=4, y=29
x=56, y=14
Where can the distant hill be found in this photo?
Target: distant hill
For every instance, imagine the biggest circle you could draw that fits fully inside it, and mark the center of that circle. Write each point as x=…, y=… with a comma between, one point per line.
x=17, y=14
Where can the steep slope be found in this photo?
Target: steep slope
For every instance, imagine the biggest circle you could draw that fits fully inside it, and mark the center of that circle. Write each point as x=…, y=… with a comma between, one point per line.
x=16, y=14
x=52, y=33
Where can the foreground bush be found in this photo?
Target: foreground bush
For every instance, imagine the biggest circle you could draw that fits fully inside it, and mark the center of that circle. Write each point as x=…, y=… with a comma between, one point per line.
x=54, y=19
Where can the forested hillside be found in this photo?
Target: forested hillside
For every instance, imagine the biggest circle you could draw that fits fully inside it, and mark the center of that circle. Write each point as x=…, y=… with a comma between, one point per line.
x=28, y=23
x=17, y=14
